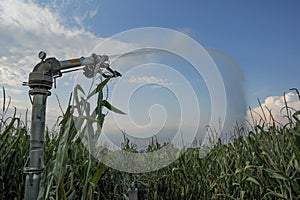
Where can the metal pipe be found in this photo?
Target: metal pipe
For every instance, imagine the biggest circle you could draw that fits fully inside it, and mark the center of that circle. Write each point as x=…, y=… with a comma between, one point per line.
x=35, y=166
x=71, y=63
x=91, y=60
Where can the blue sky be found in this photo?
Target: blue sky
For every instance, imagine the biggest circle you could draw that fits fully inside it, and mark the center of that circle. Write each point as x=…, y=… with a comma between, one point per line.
x=256, y=43
x=261, y=36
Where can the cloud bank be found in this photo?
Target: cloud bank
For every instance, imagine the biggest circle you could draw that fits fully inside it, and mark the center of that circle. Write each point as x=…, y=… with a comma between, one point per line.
x=273, y=109
x=25, y=29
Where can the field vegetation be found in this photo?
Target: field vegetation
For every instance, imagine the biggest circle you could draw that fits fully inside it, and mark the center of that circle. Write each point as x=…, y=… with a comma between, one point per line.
x=262, y=163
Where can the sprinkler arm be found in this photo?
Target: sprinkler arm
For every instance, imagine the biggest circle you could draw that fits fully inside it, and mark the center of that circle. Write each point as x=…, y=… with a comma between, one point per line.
x=51, y=68
x=92, y=65
x=54, y=66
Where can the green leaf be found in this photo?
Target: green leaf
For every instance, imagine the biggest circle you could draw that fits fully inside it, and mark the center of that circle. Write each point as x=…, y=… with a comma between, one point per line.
x=78, y=87
x=98, y=174
x=295, y=115
x=4, y=97
x=112, y=108
x=10, y=126
x=98, y=88
x=275, y=175
x=253, y=180
x=274, y=194
x=100, y=119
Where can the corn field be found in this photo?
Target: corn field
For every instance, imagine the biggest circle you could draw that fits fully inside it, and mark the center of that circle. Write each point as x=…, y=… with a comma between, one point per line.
x=264, y=164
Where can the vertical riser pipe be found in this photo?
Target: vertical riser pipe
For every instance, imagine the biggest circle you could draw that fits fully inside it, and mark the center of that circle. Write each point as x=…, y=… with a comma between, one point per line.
x=36, y=161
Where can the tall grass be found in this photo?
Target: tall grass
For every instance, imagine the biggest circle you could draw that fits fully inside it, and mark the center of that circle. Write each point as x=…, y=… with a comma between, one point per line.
x=262, y=165
x=14, y=148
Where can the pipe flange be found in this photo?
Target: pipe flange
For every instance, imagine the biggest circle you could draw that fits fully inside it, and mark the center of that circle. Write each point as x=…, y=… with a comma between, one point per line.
x=42, y=91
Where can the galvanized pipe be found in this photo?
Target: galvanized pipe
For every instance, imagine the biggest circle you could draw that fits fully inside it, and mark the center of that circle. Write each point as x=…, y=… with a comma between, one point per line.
x=35, y=166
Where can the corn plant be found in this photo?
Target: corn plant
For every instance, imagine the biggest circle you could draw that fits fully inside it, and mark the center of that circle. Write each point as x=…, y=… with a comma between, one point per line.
x=260, y=164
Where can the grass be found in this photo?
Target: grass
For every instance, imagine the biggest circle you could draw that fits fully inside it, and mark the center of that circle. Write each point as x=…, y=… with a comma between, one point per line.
x=264, y=164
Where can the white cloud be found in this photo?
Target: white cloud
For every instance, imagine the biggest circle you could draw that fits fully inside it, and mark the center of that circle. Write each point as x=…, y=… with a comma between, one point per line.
x=13, y=102
x=80, y=19
x=25, y=29
x=150, y=80
x=78, y=13
x=276, y=104
x=14, y=91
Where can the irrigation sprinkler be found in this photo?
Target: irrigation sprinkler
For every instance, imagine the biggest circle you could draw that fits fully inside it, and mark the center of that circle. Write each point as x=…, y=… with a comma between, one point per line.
x=40, y=82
